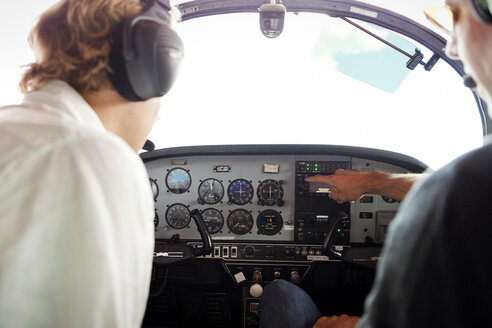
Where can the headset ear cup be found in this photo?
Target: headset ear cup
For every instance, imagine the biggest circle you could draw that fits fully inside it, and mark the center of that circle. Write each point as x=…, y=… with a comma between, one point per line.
x=158, y=52
x=145, y=59
x=481, y=9
x=119, y=75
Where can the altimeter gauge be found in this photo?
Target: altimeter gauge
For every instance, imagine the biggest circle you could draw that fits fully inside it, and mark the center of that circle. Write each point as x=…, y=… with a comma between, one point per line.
x=210, y=191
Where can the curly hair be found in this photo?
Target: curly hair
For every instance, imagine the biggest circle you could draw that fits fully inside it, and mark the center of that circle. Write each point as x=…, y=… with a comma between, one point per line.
x=72, y=41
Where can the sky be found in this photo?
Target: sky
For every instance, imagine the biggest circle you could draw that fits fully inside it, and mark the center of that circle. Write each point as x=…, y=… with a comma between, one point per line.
x=17, y=18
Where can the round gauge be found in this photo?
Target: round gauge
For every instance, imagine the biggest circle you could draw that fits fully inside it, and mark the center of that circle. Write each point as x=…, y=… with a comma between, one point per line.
x=269, y=222
x=240, y=222
x=156, y=220
x=270, y=192
x=154, y=187
x=210, y=191
x=178, y=216
x=240, y=192
x=178, y=180
x=213, y=220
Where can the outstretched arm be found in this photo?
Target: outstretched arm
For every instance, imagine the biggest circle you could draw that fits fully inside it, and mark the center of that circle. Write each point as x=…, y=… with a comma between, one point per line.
x=334, y=321
x=349, y=185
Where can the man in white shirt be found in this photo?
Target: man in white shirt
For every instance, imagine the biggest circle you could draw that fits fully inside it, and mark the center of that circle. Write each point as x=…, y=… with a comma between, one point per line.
x=76, y=209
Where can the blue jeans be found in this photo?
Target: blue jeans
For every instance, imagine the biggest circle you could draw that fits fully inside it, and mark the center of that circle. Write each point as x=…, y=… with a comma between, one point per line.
x=285, y=305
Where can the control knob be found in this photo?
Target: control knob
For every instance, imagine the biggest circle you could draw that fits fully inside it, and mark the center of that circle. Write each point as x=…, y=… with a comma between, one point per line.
x=249, y=250
x=256, y=290
x=257, y=276
x=270, y=251
x=295, y=277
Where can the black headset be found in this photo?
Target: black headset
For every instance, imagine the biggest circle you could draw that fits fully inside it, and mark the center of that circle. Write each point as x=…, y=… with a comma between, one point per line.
x=146, y=54
x=482, y=10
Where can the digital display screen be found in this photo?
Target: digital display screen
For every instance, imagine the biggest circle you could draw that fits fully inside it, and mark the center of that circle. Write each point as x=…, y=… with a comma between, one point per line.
x=318, y=188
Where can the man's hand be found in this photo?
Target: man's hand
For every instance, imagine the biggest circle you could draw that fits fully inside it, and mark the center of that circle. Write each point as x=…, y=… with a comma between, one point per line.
x=343, y=321
x=344, y=185
x=352, y=185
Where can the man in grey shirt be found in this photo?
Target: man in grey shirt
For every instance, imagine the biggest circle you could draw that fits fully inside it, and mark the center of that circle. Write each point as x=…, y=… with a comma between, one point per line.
x=435, y=270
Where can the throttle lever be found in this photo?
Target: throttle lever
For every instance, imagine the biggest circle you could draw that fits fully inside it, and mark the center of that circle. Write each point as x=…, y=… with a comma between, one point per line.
x=204, y=234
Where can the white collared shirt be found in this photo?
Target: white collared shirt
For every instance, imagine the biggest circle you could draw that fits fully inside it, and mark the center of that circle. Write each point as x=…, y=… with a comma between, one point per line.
x=76, y=217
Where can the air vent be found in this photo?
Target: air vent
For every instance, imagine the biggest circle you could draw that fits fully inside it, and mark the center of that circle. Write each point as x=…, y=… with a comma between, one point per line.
x=183, y=273
x=214, y=311
x=163, y=309
x=355, y=276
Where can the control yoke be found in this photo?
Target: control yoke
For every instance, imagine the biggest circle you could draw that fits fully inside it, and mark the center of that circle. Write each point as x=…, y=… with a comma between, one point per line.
x=173, y=252
x=366, y=255
x=202, y=229
x=329, y=239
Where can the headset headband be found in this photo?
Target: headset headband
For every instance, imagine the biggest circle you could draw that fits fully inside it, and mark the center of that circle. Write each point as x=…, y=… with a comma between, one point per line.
x=157, y=12
x=481, y=8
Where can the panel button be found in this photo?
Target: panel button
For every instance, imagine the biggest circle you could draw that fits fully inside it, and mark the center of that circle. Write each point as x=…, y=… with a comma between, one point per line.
x=365, y=215
x=367, y=200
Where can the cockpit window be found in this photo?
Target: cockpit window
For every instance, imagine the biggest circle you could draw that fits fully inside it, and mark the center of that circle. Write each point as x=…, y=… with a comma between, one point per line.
x=238, y=87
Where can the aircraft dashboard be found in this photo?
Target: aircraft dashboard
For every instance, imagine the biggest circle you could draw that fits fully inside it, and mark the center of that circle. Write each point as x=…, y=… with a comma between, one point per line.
x=259, y=209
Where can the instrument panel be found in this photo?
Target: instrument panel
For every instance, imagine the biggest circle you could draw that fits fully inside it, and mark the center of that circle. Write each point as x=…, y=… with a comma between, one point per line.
x=240, y=198
x=257, y=194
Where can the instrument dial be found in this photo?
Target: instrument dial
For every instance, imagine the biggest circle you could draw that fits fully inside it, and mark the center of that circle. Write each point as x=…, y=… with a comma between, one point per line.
x=155, y=188
x=388, y=200
x=178, y=180
x=178, y=216
x=210, y=191
x=269, y=222
x=240, y=192
x=213, y=220
x=270, y=192
x=156, y=220
x=240, y=222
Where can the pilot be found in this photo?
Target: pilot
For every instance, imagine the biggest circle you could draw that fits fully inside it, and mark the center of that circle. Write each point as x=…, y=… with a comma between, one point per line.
x=76, y=209
x=435, y=269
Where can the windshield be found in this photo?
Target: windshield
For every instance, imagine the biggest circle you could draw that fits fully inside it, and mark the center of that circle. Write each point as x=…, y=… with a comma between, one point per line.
x=238, y=87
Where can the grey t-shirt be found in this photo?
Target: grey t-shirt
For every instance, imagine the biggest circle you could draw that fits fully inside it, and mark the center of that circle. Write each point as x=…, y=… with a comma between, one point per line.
x=436, y=269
